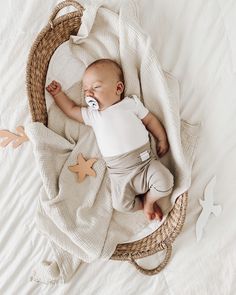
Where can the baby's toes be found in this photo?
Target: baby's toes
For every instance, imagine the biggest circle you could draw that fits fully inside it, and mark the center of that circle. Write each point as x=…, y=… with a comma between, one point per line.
x=149, y=212
x=158, y=212
x=150, y=215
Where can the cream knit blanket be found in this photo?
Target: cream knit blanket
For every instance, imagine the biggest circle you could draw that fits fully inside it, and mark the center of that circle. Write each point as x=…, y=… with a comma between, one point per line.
x=78, y=218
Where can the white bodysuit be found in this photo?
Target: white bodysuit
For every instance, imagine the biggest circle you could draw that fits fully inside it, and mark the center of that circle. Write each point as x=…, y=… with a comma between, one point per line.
x=118, y=128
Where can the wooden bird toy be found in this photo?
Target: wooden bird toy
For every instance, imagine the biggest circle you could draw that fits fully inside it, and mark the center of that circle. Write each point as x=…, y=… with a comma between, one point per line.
x=12, y=137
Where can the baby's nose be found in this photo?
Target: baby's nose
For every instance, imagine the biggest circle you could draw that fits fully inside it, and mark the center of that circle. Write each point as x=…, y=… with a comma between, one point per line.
x=89, y=92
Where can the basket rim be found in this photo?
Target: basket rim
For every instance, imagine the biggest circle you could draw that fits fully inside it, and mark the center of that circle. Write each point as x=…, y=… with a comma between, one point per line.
x=120, y=254
x=39, y=38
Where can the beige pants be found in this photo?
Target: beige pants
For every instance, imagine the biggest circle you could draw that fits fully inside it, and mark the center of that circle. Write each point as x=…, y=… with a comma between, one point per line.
x=135, y=173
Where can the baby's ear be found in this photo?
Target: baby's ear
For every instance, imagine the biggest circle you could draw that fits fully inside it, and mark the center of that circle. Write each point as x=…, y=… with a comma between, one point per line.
x=119, y=87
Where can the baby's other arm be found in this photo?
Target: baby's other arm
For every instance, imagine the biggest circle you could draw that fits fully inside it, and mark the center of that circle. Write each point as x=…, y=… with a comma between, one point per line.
x=154, y=126
x=71, y=109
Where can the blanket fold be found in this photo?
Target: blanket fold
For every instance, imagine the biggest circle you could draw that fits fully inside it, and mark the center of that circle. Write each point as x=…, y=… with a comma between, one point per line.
x=78, y=218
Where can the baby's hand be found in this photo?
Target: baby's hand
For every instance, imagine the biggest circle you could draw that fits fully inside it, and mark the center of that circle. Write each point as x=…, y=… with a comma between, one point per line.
x=54, y=88
x=162, y=147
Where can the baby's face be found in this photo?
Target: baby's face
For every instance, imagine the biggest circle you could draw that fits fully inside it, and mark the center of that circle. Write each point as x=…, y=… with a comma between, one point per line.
x=102, y=83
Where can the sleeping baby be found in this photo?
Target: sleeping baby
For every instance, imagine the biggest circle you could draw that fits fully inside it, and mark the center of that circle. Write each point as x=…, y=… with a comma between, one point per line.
x=121, y=126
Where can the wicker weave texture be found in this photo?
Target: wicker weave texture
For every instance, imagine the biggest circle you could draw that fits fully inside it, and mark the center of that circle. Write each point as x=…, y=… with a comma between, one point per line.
x=49, y=39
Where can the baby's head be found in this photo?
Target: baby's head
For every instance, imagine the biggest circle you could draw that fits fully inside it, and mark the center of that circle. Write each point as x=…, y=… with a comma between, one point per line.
x=104, y=81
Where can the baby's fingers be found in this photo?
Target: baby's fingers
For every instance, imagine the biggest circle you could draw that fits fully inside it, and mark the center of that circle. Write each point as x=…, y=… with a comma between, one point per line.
x=163, y=151
x=55, y=83
x=54, y=86
x=49, y=88
x=160, y=151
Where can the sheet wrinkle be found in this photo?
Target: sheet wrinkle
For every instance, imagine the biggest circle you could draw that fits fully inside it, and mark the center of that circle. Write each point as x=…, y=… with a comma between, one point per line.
x=104, y=228
x=227, y=35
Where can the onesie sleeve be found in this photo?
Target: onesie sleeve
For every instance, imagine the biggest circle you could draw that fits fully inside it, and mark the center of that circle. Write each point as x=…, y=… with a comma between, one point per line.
x=87, y=115
x=140, y=109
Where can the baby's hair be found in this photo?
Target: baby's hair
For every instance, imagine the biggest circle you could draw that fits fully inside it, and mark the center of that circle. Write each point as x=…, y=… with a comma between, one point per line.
x=111, y=62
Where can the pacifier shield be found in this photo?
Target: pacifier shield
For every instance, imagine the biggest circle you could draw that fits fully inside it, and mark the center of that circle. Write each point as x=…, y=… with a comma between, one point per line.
x=92, y=102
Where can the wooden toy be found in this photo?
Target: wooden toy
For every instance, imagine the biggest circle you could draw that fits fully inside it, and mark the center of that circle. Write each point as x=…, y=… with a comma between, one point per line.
x=14, y=138
x=83, y=168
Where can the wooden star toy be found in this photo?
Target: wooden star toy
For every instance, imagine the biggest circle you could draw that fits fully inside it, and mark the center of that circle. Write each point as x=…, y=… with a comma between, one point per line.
x=83, y=167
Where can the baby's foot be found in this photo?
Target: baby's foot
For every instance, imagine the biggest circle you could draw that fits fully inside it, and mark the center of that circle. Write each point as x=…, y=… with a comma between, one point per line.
x=152, y=210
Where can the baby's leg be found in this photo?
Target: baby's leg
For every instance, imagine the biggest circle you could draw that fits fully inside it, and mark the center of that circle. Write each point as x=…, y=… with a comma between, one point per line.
x=161, y=183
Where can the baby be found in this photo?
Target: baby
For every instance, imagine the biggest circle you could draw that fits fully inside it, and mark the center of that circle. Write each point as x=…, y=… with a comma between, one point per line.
x=121, y=125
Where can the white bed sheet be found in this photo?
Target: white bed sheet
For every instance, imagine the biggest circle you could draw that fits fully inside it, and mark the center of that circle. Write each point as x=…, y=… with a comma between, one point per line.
x=195, y=41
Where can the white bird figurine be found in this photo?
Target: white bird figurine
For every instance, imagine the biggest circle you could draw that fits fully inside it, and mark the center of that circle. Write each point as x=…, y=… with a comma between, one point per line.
x=208, y=207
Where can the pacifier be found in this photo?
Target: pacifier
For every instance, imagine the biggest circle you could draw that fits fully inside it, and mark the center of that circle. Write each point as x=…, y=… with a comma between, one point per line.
x=92, y=102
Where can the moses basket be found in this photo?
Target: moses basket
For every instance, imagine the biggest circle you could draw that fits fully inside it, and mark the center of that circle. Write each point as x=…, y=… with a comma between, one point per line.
x=58, y=30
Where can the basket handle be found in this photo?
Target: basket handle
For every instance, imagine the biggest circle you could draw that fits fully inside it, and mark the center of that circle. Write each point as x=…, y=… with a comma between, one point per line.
x=157, y=269
x=60, y=6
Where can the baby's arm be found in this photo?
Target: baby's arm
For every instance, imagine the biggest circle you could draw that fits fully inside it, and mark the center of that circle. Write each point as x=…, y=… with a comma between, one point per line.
x=64, y=103
x=154, y=126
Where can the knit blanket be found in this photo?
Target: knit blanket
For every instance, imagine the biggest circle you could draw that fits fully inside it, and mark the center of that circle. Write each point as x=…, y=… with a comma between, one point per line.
x=77, y=217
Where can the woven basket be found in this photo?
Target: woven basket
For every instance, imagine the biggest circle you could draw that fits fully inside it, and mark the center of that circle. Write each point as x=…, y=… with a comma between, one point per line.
x=57, y=31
